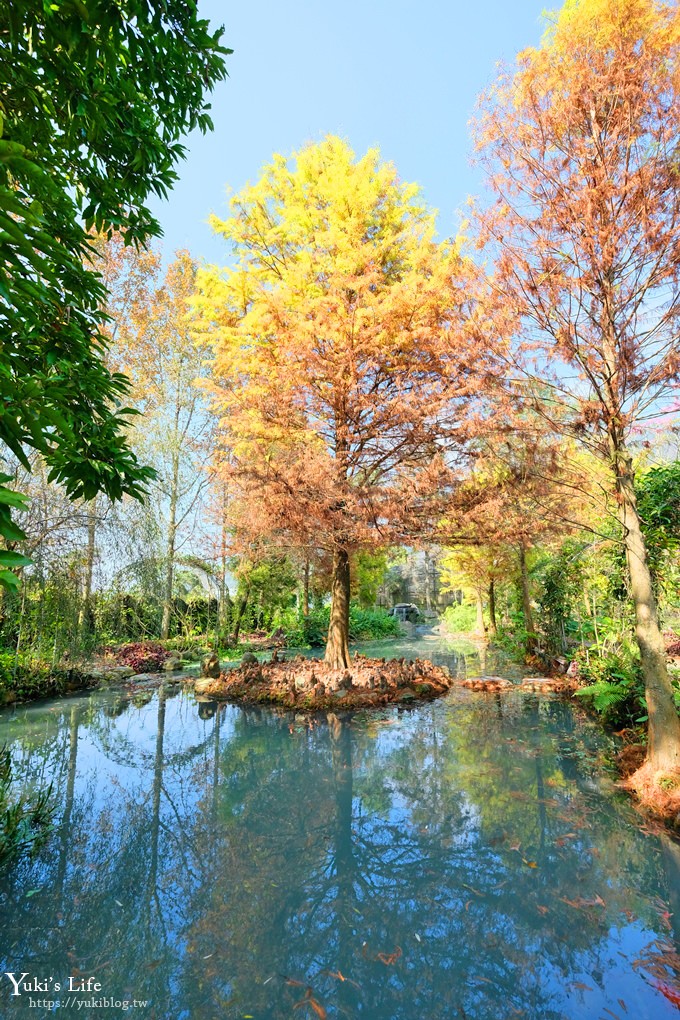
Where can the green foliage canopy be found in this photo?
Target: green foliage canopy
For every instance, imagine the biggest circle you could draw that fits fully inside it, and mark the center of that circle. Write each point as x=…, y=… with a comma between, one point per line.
x=94, y=98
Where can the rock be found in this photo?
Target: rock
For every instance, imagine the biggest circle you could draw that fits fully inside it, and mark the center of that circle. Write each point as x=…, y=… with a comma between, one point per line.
x=407, y=695
x=172, y=665
x=210, y=666
x=302, y=683
x=543, y=684
x=120, y=672
x=109, y=674
x=486, y=683
x=345, y=682
x=205, y=686
x=249, y=659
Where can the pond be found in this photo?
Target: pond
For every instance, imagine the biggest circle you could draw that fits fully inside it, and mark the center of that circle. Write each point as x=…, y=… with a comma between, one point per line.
x=465, y=858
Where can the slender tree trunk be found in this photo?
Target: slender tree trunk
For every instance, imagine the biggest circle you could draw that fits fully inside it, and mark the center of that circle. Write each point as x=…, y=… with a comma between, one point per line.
x=65, y=832
x=337, y=644
x=428, y=583
x=152, y=875
x=479, y=628
x=170, y=550
x=239, y=616
x=345, y=862
x=526, y=602
x=305, y=589
x=493, y=626
x=85, y=613
x=222, y=622
x=663, y=734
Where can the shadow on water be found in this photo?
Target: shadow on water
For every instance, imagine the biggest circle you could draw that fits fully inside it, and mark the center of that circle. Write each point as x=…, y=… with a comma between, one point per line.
x=465, y=858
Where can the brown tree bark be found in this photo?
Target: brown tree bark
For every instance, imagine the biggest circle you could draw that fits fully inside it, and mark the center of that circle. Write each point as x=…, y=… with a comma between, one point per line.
x=663, y=733
x=239, y=617
x=337, y=644
x=493, y=625
x=305, y=588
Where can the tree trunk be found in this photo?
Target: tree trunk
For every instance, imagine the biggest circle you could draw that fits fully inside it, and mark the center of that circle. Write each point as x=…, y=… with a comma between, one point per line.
x=305, y=589
x=170, y=551
x=493, y=626
x=65, y=827
x=526, y=602
x=239, y=617
x=663, y=734
x=479, y=629
x=345, y=861
x=428, y=583
x=337, y=644
x=85, y=614
x=225, y=600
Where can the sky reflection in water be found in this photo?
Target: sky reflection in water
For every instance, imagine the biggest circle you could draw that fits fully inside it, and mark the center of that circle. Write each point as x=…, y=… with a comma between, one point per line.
x=467, y=858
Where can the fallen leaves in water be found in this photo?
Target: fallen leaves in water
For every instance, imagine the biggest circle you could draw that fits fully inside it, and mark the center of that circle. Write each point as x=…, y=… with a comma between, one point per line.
x=313, y=1004
x=670, y=993
x=389, y=958
x=562, y=840
x=581, y=904
x=340, y=977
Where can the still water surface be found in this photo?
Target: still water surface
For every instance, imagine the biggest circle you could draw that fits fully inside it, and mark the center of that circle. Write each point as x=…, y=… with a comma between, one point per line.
x=468, y=858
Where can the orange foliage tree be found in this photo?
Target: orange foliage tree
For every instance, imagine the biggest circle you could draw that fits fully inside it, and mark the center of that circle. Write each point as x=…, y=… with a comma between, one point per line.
x=341, y=359
x=581, y=143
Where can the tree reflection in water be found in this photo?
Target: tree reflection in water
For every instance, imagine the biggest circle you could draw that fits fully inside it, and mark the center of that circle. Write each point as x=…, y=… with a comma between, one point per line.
x=462, y=859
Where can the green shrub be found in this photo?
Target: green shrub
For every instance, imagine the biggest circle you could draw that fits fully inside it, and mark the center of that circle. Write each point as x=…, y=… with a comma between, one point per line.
x=460, y=619
x=26, y=679
x=364, y=625
x=371, y=624
x=615, y=688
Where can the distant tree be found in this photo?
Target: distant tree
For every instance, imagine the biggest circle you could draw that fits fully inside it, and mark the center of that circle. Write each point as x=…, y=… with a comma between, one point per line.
x=93, y=102
x=478, y=569
x=341, y=361
x=581, y=144
x=151, y=343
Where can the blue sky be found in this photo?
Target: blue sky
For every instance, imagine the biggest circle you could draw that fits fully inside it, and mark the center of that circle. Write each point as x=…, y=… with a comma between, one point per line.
x=400, y=75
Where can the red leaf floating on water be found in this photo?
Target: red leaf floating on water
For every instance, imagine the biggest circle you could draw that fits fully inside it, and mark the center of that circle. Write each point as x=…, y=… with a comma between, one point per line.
x=671, y=994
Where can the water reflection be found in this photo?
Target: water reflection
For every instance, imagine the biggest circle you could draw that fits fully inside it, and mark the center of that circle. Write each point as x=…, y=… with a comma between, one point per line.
x=467, y=858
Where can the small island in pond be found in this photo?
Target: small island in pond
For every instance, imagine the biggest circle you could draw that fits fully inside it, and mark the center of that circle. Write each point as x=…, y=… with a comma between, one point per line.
x=311, y=684
x=304, y=683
